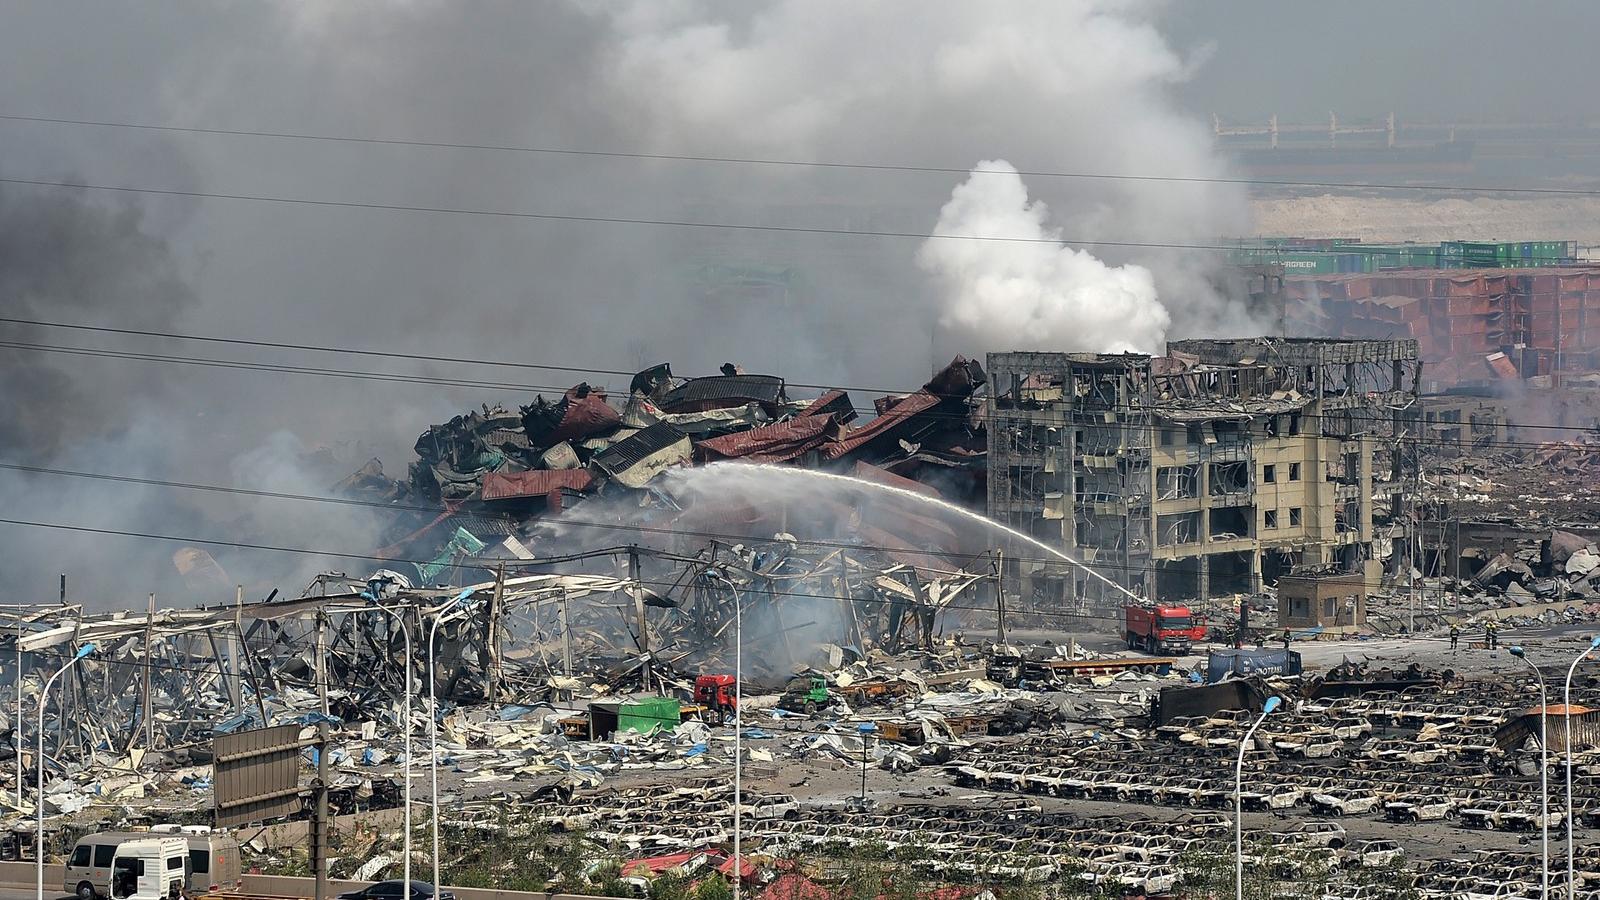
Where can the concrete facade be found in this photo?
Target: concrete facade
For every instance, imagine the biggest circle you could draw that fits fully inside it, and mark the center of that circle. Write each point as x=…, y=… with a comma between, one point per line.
x=1210, y=471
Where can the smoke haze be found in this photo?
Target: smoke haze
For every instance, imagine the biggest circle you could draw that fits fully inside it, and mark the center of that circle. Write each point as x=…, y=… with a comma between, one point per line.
x=1085, y=86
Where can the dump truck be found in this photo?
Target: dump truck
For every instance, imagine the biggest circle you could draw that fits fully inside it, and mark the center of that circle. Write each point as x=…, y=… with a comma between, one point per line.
x=805, y=693
x=1162, y=629
x=717, y=697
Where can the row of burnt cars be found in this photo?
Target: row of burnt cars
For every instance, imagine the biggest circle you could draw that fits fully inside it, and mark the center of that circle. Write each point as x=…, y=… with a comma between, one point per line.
x=1404, y=758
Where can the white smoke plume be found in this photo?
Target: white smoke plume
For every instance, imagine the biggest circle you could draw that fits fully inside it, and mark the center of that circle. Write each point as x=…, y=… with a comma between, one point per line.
x=1032, y=292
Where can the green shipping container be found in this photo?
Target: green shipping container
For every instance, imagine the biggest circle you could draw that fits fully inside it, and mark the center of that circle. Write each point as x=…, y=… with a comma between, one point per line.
x=648, y=714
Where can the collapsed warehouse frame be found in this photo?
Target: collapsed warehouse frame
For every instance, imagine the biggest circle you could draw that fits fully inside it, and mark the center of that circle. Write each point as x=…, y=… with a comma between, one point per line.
x=161, y=684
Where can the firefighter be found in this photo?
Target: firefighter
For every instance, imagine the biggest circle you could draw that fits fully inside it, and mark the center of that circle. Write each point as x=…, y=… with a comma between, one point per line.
x=1491, y=634
x=1455, y=636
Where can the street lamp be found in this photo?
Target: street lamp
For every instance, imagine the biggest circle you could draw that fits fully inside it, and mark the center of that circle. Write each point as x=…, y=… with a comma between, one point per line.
x=433, y=725
x=1238, y=798
x=1544, y=767
x=38, y=835
x=738, y=741
x=1566, y=712
x=405, y=716
x=864, y=729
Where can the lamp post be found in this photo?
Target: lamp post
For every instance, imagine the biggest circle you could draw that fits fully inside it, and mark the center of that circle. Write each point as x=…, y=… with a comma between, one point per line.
x=1544, y=768
x=738, y=741
x=1238, y=798
x=405, y=726
x=38, y=835
x=1566, y=712
x=864, y=729
x=433, y=725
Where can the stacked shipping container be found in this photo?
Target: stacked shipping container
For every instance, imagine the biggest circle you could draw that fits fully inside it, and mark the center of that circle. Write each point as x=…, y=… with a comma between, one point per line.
x=1544, y=317
x=1319, y=256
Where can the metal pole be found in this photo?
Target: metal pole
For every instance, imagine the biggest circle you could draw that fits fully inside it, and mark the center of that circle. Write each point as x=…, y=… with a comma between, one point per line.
x=405, y=725
x=738, y=741
x=638, y=608
x=1572, y=814
x=149, y=678
x=406, y=717
x=235, y=649
x=863, y=770
x=1544, y=769
x=433, y=748
x=322, y=660
x=566, y=641
x=433, y=721
x=323, y=777
x=38, y=835
x=1238, y=799
x=491, y=631
x=1000, y=595
x=16, y=736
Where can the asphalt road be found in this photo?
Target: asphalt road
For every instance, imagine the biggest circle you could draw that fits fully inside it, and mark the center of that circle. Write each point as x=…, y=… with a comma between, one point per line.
x=51, y=892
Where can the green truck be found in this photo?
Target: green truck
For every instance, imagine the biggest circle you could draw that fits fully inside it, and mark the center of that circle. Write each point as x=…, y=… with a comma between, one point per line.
x=805, y=693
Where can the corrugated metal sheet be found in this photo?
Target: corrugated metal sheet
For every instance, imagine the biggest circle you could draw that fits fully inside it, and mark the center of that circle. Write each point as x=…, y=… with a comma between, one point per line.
x=537, y=483
x=634, y=461
x=257, y=774
x=773, y=443
x=869, y=472
x=834, y=403
x=906, y=409
x=718, y=391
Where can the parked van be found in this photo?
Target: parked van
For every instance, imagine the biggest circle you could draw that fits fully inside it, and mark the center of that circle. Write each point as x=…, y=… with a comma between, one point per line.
x=154, y=868
x=213, y=859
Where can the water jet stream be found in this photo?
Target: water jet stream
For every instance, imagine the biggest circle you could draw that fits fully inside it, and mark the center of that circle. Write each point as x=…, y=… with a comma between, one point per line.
x=689, y=477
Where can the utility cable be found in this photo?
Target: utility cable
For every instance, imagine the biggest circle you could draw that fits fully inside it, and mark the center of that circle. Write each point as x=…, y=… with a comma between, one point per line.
x=1216, y=408
x=723, y=537
x=659, y=223
x=621, y=550
x=792, y=163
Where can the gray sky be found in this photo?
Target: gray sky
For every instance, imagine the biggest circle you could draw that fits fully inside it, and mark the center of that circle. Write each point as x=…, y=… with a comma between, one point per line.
x=1481, y=60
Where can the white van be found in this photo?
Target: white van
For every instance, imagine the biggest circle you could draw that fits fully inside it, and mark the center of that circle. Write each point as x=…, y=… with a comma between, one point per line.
x=213, y=859
x=155, y=868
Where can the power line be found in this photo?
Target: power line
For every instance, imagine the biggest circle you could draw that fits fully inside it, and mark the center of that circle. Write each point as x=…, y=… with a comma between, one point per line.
x=1220, y=407
x=608, y=220
x=342, y=351
x=211, y=362
x=661, y=223
x=792, y=163
x=611, y=551
x=724, y=537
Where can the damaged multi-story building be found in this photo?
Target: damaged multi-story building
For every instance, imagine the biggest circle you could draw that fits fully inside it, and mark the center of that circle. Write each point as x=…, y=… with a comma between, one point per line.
x=1212, y=470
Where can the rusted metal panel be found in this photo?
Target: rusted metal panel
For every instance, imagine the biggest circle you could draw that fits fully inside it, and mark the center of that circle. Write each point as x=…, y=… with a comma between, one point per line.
x=773, y=443
x=833, y=403
x=586, y=413
x=256, y=774
x=868, y=472
x=536, y=483
x=906, y=409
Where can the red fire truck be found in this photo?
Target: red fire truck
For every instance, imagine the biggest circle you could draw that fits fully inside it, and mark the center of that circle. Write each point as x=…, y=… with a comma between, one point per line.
x=1162, y=629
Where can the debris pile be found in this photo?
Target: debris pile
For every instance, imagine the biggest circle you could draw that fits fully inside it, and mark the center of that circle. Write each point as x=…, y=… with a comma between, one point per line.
x=494, y=472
